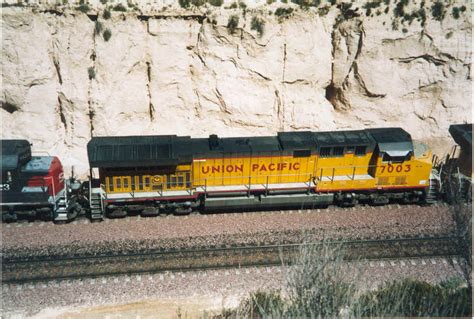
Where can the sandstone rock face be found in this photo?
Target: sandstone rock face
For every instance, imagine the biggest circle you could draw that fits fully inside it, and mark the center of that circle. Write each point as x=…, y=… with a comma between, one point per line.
x=176, y=72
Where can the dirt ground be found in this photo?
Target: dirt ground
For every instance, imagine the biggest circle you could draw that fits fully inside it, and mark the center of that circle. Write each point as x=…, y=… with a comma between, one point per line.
x=189, y=307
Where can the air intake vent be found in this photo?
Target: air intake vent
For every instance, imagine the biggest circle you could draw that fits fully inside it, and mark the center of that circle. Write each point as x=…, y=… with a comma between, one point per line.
x=213, y=142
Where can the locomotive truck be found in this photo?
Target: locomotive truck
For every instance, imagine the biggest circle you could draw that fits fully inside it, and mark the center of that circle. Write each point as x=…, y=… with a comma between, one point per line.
x=151, y=175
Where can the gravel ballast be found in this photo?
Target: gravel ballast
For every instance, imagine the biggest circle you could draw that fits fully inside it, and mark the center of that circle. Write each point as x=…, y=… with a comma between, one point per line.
x=171, y=232
x=225, y=287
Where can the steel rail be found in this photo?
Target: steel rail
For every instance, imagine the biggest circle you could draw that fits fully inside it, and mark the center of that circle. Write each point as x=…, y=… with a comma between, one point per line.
x=32, y=259
x=210, y=258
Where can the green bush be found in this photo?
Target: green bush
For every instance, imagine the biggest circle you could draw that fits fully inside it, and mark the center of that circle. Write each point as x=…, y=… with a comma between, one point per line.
x=283, y=12
x=242, y=5
x=371, y=4
x=456, y=11
x=107, y=35
x=438, y=11
x=258, y=25
x=216, y=3
x=198, y=3
x=410, y=298
x=233, y=5
x=233, y=23
x=323, y=11
x=91, y=73
x=184, y=3
x=84, y=8
x=284, y=1
x=307, y=3
x=270, y=1
x=399, y=10
x=119, y=7
x=106, y=14
x=98, y=27
x=103, y=1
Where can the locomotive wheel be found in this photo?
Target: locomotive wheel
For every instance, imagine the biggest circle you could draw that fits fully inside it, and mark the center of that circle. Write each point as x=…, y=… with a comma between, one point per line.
x=9, y=217
x=117, y=213
x=150, y=212
x=183, y=211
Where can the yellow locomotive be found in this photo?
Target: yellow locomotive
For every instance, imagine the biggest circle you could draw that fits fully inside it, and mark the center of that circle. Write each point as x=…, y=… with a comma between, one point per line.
x=153, y=174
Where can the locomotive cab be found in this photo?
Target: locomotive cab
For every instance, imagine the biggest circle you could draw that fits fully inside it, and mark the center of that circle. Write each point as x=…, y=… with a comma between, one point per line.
x=31, y=186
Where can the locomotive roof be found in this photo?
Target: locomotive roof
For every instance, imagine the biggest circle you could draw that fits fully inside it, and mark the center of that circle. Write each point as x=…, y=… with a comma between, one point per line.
x=15, y=153
x=462, y=135
x=169, y=150
x=38, y=164
x=394, y=141
x=343, y=138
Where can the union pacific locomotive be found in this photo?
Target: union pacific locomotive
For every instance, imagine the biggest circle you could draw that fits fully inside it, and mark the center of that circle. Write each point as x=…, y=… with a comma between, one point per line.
x=151, y=175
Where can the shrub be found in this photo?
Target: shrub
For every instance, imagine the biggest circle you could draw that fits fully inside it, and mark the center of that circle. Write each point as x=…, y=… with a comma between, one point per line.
x=119, y=7
x=399, y=10
x=409, y=298
x=307, y=3
x=258, y=25
x=284, y=1
x=270, y=1
x=216, y=3
x=242, y=5
x=463, y=8
x=438, y=11
x=91, y=73
x=422, y=16
x=107, y=35
x=404, y=30
x=103, y=1
x=198, y=3
x=184, y=3
x=234, y=5
x=323, y=11
x=84, y=8
x=456, y=12
x=372, y=4
x=233, y=23
x=98, y=27
x=332, y=2
x=106, y=14
x=283, y=12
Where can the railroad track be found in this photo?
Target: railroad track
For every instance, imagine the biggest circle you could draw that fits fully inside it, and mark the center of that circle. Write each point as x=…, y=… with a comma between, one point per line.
x=22, y=270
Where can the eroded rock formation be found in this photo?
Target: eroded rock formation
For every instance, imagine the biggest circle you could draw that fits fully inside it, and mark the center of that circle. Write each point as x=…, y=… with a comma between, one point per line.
x=176, y=72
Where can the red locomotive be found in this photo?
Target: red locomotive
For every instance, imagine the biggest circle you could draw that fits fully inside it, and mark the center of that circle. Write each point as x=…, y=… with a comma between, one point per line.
x=32, y=186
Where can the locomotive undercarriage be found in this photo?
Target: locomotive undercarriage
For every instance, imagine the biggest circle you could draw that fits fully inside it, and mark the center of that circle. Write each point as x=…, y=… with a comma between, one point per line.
x=63, y=207
x=261, y=201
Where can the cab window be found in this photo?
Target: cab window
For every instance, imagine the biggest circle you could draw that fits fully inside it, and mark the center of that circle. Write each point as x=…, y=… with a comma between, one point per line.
x=360, y=151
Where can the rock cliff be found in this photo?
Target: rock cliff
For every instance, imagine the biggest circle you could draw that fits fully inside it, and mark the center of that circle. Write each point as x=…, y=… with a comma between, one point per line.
x=169, y=70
